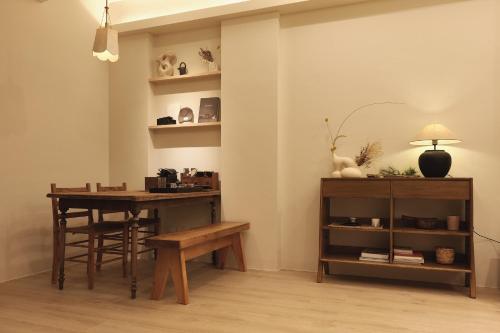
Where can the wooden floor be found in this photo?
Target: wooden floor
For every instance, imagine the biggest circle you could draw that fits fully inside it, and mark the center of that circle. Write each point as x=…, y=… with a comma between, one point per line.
x=230, y=301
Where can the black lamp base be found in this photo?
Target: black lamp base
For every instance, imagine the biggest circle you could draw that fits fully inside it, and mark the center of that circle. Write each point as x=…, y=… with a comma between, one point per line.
x=434, y=163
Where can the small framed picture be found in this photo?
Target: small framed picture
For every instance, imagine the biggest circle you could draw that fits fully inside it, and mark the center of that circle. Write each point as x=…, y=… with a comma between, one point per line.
x=209, y=110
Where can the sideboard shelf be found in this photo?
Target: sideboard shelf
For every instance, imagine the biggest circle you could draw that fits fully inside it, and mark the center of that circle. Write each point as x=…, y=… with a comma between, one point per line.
x=187, y=77
x=388, y=194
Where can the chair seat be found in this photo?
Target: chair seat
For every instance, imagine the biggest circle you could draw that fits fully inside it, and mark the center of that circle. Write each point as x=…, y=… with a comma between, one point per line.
x=98, y=228
x=142, y=222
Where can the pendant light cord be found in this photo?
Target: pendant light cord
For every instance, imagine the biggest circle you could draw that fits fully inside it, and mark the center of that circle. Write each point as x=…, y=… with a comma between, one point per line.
x=490, y=239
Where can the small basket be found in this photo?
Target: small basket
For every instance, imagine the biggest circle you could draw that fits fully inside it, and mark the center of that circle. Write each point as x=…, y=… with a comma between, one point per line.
x=445, y=255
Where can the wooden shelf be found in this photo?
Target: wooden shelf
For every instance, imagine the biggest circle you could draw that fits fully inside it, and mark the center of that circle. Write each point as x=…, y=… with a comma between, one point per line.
x=442, y=232
x=185, y=77
x=361, y=228
x=428, y=265
x=348, y=251
x=184, y=125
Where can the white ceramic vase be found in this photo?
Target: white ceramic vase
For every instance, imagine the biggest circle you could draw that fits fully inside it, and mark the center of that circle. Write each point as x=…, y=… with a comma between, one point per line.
x=213, y=67
x=345, y=167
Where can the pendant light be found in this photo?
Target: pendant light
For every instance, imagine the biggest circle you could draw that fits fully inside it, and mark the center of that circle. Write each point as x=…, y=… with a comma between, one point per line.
x=106, y=40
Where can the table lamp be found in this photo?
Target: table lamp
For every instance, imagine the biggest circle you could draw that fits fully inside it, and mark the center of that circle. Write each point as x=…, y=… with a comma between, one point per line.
x=435, y=163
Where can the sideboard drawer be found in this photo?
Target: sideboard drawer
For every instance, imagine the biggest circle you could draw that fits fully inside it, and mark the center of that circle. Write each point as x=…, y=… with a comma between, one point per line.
x=431, y=189
x=363, y=188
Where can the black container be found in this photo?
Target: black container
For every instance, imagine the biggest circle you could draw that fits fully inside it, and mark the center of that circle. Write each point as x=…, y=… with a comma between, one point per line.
x=434, y=163
x=182, y=68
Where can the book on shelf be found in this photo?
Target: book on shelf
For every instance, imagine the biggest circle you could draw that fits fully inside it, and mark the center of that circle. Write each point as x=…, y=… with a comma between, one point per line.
x=373, y=259
x=414, y=258
x=403, y=251
x=375, y=254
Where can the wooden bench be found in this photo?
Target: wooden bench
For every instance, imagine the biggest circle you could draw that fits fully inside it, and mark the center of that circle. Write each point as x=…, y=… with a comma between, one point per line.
x=174, y=249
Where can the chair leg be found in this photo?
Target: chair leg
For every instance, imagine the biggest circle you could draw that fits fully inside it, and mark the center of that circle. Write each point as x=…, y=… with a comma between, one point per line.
x=100, y=244
x=177, y=266
x=125, y=249
x=238, y=252
x=55, y=254
x=91, y=260
x=160, y=275
x=221, y=257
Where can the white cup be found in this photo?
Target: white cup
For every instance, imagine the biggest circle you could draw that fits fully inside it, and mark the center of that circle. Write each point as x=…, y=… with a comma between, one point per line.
x=375, y=222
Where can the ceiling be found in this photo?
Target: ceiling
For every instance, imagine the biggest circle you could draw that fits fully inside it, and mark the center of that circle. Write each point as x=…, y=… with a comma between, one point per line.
x=123, y=11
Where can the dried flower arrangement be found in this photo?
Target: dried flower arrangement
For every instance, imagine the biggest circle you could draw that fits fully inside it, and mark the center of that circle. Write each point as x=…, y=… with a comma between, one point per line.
x=368, y=153
x=206, y=55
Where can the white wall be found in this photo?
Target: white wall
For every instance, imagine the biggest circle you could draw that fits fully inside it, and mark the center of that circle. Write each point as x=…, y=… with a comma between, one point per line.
x=441, y=59
x=54, y=122
x=130, y=100
x=249, y=133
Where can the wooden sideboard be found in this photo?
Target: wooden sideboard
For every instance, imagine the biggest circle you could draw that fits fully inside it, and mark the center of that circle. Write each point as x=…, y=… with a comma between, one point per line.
x=392, y=191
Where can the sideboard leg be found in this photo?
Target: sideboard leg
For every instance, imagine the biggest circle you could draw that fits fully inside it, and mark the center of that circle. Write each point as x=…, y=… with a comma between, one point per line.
x=319, y=278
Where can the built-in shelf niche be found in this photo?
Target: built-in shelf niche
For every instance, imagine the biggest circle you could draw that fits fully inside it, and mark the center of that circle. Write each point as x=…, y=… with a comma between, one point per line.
x=187, y=77
x=183, y=126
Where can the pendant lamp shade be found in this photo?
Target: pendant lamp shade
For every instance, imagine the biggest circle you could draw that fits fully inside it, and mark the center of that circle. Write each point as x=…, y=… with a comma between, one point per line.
x=106, y=44
x=106, y=40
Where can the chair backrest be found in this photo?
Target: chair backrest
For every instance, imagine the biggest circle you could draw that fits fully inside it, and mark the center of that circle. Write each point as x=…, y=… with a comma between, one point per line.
x=101, y=188
x=55, y=203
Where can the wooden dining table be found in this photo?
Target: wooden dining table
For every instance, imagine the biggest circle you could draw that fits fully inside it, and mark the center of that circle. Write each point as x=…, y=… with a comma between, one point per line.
x=134, y=202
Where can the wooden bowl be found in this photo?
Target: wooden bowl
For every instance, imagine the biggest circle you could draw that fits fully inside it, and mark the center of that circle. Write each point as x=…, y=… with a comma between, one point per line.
x=427, y=223
x=445, y=255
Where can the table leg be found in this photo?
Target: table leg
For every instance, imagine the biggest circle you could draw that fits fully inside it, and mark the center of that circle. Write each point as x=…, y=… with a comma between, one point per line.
x=62, y=246
x=214, y=219
x=134, y=224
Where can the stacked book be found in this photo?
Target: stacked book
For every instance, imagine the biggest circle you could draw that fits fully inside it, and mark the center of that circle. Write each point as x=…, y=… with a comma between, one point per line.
x=375, y=255
x=403, y=255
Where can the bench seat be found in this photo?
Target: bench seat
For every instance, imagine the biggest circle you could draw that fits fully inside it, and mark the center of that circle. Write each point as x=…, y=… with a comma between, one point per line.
x=174, y=249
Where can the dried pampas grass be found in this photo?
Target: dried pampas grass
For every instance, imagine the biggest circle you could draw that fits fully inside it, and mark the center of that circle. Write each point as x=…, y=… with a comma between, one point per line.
x=368, y=153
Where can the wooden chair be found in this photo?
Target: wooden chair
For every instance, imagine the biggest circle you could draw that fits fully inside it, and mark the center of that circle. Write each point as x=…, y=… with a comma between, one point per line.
x=111, y=231
x=178, y=247
x=145, y=224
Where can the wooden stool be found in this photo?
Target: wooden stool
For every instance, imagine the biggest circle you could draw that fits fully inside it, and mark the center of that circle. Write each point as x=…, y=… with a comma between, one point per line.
x=174, y=249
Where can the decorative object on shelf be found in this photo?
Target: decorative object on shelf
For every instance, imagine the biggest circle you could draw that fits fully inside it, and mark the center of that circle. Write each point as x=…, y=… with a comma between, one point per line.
x=344, y=167
x=186, y=115
x=207, y=179
x=182, y=68
x=368, y=153
x=106, y=40
x=435, y=163
x=352, y=222
x=209, y=110
x=427, y=223
x=207, y=58
x=445, y=255
x=166, y=63
x=375, y=222
x=391, y=171
x=453, y=222
x=166, y=121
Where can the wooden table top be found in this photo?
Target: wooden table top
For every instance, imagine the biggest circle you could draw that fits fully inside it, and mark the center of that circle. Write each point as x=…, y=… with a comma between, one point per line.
x=132, y=195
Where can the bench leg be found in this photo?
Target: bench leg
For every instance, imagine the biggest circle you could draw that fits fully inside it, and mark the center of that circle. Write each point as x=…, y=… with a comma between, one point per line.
x=161, y=275
x=221, y=257
x=177, y=265
x=238, y=252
